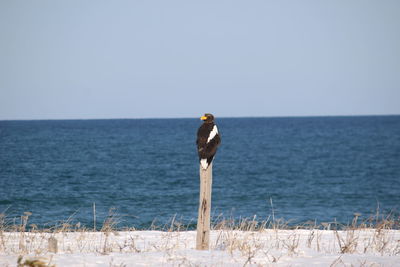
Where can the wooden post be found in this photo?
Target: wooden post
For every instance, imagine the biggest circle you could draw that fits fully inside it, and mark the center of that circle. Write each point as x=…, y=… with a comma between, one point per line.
x=53, y=247
x=203, y=221
x=94, y=216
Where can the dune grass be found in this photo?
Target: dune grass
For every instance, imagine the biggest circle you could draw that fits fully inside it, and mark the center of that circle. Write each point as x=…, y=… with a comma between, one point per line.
x=249, y=240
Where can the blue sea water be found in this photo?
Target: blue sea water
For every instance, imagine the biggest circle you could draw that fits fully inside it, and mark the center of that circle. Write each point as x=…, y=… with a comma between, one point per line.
x=312, y=168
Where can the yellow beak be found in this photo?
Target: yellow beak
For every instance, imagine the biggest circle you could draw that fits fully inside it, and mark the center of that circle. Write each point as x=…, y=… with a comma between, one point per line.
x=203, y=118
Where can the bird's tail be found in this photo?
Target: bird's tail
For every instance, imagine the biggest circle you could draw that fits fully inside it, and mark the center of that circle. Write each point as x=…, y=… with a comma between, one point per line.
x=204, y=163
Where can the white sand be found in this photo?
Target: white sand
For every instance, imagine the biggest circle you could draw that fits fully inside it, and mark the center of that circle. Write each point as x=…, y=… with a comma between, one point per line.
x=228, y=248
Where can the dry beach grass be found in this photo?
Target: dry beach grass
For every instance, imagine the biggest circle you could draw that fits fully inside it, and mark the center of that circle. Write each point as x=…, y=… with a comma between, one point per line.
x=371, y=242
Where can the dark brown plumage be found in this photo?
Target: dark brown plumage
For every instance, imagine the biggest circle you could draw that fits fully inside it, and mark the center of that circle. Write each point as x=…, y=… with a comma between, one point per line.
x=208, y=140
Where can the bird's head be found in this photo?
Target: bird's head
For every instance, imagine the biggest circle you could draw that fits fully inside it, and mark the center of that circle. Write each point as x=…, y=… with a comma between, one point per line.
x=207, y=118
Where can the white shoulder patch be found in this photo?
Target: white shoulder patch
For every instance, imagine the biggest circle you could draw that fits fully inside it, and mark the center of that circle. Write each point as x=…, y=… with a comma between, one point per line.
x=203, y=163
x=213, y=133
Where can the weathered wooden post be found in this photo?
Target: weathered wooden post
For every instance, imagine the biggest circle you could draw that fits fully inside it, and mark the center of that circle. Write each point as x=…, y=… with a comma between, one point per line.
x=203, y=221
x=53, y=246
x=207, y=142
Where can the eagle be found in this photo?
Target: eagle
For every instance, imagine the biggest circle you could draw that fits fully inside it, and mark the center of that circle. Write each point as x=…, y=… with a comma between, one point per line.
x=208, y=140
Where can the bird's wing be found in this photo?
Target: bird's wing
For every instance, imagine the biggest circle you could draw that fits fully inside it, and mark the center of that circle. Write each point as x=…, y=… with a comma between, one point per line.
x=213, y=133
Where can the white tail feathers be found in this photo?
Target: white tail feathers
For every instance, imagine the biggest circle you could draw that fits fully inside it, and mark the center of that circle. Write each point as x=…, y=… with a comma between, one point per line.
x=204, y=164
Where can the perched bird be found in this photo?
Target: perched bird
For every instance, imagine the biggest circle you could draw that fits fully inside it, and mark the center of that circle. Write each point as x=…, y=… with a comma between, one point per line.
x=208, y=140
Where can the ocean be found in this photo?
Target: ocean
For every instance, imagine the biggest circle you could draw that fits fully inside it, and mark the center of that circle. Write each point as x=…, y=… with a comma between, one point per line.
x=146, y=171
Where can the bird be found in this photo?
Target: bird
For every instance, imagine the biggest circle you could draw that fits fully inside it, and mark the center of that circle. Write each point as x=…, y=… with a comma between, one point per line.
x=208, y=140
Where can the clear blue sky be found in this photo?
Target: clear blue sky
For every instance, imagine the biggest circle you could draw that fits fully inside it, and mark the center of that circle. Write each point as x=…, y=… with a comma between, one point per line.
x=142, y=58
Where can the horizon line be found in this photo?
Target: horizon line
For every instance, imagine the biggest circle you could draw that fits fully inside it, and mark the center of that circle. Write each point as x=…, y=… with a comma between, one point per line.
x=222, y=117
